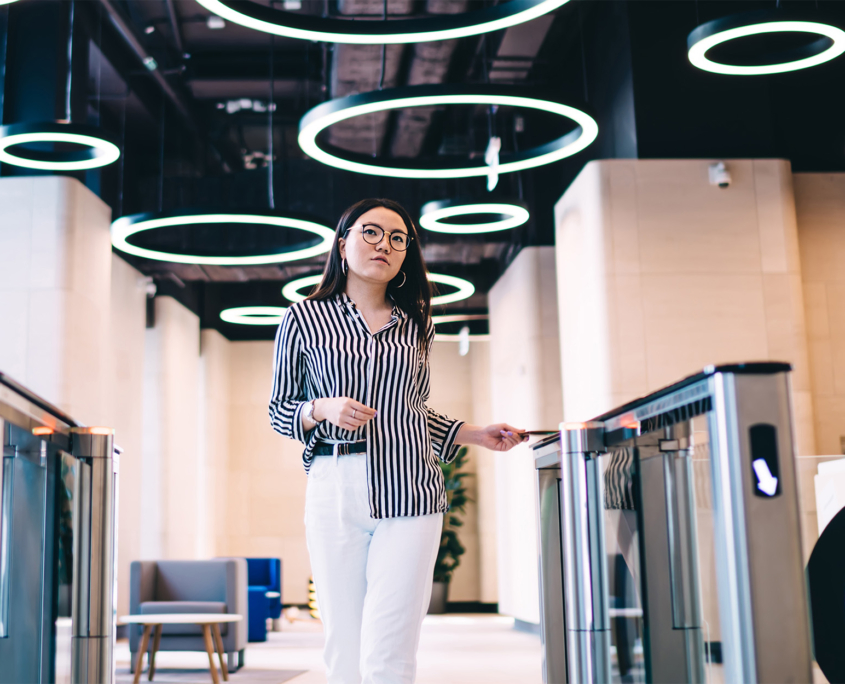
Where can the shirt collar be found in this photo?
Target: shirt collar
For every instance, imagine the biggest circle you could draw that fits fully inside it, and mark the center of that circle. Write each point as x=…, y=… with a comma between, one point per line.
x=345, y=300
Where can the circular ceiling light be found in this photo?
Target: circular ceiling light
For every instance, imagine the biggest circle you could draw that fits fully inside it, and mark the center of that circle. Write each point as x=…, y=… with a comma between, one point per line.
x=333, y=30
x=463, y=288
x=459, y=318
x=123, y=228
x=324, y=115
x=98, y=150
x=291, y=291
x=510, y=215
x=253, y=315
x=713, y=33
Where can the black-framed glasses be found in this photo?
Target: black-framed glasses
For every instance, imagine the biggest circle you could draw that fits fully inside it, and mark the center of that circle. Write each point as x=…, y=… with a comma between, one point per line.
x=373, y=234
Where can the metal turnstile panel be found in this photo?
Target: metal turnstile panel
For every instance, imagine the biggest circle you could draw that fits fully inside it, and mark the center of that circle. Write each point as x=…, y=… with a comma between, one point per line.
x=552, y=620
x=28, y=574
x=679, y=513
x=674, y=637
x=763, y=597
x=58, y=492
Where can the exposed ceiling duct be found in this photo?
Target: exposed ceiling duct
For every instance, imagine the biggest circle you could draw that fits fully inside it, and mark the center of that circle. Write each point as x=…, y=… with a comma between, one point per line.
x=179, y=101
x=429, y=65
x=518, y=50
x=357, y=69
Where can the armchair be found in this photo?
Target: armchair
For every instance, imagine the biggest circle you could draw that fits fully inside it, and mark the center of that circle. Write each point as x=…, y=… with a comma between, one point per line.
x=265, y=575
x=208, y=586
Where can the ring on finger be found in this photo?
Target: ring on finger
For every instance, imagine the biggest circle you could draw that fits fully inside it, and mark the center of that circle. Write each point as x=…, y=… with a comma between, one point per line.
x=353, y=414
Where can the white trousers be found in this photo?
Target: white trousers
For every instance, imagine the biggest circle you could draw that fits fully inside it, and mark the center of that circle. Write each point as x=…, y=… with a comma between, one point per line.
x=373, y=577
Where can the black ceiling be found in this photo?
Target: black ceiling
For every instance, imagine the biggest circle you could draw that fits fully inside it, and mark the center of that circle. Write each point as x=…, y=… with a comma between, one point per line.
x=195, y=134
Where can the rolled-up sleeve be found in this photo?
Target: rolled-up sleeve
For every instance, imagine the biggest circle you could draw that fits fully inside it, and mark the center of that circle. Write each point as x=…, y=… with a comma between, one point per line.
x=442, y=429
x=288, y=396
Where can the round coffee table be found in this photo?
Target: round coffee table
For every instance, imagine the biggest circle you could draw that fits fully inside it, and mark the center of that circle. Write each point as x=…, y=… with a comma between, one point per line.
x=210, y=623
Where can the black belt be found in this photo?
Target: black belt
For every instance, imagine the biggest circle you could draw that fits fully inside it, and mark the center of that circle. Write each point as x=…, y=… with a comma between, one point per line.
x=343, y=449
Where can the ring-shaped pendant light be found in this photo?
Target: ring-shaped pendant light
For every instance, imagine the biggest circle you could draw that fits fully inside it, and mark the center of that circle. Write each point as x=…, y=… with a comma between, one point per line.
x=332, y=30
x=713, y=33
x=463, y=288
x=253, y=315
x=432, y=216
x=457, y=318
x=123, y=228
x=324, y=115
x=99, y=149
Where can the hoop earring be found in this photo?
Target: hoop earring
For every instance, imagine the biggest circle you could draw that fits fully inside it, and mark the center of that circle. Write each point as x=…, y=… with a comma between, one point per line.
x=344, y=267
x=404, y=278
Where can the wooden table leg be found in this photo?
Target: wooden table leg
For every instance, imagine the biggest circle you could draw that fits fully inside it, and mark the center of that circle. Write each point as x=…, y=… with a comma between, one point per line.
x=156, y=642
x=145, y=642
x=215, y=628
x=209, y=648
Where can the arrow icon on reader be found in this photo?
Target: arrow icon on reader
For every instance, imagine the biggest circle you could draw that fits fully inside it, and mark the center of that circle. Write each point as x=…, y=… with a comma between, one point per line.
x=766, y=482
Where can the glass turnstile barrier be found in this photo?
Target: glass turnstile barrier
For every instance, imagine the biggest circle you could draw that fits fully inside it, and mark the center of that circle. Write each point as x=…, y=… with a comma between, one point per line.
x=58, y=484
x=678, y=538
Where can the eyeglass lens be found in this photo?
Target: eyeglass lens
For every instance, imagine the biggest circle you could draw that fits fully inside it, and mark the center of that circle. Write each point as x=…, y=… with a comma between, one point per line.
x=374, y=234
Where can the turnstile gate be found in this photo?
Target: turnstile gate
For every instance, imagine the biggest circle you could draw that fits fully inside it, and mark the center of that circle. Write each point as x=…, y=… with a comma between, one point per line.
x=58, y=485
x=679, y=537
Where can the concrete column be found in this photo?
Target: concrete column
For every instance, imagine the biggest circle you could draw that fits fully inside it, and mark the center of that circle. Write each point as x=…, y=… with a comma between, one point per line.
x=661, y=273
x=820, y=208
x=173, y=469
x=525, y=392
x=72, y=322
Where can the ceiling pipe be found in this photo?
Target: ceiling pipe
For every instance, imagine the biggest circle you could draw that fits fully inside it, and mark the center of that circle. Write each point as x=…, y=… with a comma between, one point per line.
x=174, y=24
x=177, y=100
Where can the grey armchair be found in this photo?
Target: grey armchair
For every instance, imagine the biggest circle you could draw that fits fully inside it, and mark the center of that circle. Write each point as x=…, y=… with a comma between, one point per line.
x=208, y=586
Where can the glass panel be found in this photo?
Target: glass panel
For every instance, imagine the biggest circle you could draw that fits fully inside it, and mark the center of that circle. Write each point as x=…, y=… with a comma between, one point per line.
x=6, y=474
x=623, y=566
x=706, y=550
x=64, y=565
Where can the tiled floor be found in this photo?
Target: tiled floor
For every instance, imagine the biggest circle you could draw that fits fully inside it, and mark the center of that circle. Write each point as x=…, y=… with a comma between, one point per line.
x=454, y=649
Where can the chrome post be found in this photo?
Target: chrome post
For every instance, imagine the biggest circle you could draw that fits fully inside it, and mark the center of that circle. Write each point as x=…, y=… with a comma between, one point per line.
x=584, y=554
x=93, y=556
x=5, y=529
x=682, y=529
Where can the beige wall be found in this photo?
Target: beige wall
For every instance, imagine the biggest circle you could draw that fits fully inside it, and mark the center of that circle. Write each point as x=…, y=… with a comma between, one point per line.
x=452, y=394
x=525, y=391
x=820, y=203
x=173, y=469
x=265, y=480
x=213, y=439
x=128, y=318
x=54, y=293
x=485, y=468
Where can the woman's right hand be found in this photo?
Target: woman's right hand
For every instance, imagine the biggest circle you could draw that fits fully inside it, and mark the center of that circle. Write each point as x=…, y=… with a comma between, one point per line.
x=344, y=412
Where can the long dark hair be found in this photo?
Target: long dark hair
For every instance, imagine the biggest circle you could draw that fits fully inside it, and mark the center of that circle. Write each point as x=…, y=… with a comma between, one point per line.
x=414, y=295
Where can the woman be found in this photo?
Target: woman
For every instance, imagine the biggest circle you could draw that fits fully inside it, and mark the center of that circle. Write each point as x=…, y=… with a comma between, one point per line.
x=351, y=381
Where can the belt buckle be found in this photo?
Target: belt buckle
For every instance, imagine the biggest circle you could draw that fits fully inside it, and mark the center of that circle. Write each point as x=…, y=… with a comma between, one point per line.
x=343, y=449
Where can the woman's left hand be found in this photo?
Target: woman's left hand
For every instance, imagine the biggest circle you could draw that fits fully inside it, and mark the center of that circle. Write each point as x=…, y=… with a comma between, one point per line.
x=500, y=437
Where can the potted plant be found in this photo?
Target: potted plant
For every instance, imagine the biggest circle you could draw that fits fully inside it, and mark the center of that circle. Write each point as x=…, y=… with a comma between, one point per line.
x=450, y=551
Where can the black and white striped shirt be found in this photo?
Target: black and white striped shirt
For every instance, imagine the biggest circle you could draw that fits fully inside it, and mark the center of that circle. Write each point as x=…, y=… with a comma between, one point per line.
x=325, y=349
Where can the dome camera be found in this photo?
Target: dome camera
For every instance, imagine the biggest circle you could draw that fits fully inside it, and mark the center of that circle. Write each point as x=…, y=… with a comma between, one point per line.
x=719, y=175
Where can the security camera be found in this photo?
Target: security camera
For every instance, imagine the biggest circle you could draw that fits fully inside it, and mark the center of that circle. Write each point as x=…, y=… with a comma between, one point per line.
x=719, y=175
